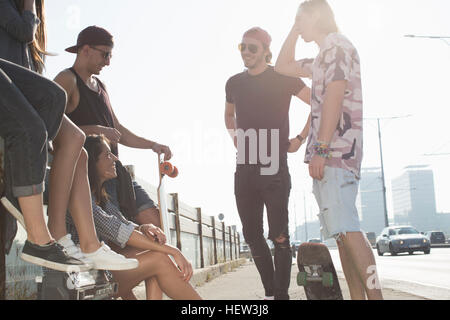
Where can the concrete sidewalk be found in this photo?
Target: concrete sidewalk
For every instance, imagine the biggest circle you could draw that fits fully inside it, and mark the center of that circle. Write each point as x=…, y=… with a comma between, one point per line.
x=239, y=280
x=243, y=283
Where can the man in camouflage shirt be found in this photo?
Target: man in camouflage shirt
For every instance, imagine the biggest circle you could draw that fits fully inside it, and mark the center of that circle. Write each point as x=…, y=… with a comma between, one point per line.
x=334, y=149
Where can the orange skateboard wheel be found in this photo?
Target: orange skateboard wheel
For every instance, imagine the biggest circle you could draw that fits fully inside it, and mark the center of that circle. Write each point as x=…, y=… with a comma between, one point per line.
x=166, y=168
x=174, y=173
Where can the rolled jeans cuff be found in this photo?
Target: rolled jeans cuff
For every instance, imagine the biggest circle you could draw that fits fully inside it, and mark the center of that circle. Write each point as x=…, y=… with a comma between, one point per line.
x=26, y=191
x=146, y=206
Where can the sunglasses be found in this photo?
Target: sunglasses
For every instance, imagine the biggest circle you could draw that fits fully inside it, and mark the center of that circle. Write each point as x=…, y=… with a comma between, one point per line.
x=106, y=54
x=253, y=48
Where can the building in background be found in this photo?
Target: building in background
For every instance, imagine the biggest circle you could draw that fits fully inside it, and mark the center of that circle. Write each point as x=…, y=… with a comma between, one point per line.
x=414, y=200
x=309, y=231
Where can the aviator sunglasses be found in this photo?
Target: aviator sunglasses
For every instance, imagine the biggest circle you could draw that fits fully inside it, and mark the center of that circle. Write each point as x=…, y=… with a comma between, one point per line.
x=105, y=54
x=253, y=48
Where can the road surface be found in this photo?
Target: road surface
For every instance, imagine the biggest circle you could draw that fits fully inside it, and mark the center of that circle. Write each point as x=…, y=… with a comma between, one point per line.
x=424, y=275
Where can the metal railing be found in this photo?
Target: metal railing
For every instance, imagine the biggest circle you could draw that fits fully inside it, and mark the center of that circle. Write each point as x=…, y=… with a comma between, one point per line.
x=215, y=241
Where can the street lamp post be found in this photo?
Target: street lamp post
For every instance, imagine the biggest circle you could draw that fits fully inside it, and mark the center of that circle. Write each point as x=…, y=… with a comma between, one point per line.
x=306, y=221
x=386, y=218
x=429, y=37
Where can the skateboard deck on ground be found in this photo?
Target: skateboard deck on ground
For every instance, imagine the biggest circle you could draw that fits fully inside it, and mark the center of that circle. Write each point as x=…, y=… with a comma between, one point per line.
x=317, y=273
x=164, y=168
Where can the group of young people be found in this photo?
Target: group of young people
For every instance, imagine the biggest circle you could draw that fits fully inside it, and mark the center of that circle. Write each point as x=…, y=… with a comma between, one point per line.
x=106, y=229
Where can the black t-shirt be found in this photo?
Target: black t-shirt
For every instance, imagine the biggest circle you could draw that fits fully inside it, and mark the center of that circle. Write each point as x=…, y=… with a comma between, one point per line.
x=262, y=102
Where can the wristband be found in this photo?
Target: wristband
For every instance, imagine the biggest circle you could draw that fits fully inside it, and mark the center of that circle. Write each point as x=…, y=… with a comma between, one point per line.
x=322, y=149
x=299, y=137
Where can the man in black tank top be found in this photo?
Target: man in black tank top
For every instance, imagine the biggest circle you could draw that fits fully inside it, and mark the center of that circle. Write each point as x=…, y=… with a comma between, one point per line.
x=257, y=118
x=89, y=107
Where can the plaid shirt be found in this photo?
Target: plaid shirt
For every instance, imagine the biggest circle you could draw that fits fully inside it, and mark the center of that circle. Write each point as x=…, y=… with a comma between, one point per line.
x=110, y=224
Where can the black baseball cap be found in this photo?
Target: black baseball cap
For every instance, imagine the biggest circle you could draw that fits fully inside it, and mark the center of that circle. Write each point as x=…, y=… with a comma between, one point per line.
x=94, y=36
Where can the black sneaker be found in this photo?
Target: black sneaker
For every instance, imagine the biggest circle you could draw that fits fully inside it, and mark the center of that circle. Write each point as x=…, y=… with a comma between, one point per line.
x=52, y=256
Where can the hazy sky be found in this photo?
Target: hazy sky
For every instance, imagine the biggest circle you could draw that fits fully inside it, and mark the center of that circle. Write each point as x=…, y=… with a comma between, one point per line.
x=172, y=58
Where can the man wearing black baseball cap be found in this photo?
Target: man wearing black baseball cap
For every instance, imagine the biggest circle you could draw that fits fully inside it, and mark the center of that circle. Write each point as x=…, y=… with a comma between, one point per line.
x=94, y=51
x=92, y=35
x=89, y=108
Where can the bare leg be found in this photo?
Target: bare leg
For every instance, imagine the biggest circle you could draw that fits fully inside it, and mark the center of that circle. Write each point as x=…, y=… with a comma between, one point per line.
x=152, y=289
x=359, y=252
x=354, y=283
x=154, y=264
x=128, y=296
x=80, y=206
x=68, y=144
x=33, y=214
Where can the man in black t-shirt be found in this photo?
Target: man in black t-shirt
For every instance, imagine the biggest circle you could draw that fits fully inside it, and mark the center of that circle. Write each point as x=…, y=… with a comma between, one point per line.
x=257, y=118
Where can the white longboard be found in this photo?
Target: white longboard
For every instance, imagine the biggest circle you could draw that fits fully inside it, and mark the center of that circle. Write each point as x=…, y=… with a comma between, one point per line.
x=162, y=204
x=13, y=211
x=6, y=203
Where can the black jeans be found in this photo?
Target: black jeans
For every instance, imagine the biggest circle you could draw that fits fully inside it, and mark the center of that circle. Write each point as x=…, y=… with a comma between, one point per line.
x=253, y=191
x=31, y=111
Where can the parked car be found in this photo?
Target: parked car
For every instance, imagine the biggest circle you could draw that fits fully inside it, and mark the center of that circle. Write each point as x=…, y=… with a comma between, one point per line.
x=295, y=244
x=315, y=240
x=372, y=237
x=398, y=239
x=435, y=236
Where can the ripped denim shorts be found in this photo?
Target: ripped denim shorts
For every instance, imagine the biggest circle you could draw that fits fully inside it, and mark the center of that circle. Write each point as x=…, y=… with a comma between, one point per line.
x=336, y=196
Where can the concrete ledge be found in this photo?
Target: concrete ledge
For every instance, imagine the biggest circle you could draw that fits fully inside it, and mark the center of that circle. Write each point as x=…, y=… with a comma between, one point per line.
x=201, y=276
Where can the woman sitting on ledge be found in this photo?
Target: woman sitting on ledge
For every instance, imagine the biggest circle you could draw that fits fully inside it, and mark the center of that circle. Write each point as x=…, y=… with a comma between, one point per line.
x=146, y=243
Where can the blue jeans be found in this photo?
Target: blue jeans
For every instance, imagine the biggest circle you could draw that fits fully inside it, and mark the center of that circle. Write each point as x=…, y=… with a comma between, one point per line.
x=31, y=111
x=143, y=200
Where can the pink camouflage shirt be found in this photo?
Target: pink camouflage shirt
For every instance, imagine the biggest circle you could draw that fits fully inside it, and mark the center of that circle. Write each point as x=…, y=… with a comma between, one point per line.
x=338, y=60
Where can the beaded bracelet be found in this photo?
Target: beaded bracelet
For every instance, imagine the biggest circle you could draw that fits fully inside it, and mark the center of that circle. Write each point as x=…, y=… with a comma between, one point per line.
x=322, y=149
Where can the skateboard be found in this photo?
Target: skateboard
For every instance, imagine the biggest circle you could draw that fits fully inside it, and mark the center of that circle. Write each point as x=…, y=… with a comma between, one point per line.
x=317, y=273
x=89, y=285
x=165, y=169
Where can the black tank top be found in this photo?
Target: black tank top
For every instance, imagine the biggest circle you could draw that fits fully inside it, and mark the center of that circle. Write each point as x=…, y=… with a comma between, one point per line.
x=94, y=108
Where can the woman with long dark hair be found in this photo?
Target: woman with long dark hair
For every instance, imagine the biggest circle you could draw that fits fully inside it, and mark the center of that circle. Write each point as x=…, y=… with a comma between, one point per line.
x=23, y=35
x=146, y=243
x=32, y=112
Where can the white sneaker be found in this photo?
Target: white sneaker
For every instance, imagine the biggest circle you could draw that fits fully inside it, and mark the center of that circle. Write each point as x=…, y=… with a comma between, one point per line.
x=73, y=250
x=106, y=259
